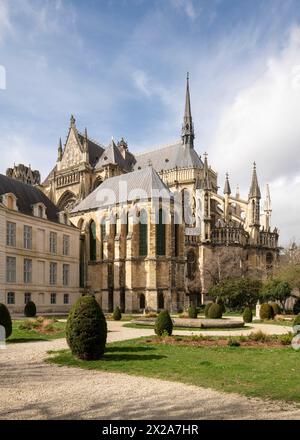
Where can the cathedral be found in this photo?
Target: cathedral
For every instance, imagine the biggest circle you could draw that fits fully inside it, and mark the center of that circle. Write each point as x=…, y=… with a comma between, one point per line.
x=155, y=233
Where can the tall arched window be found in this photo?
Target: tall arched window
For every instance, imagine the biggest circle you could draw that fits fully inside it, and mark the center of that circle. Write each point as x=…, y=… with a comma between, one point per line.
x=160, y=234
x=176, y=239
x=142, y=301
x=143, y=233
x=92, y=241
x=102, y=235
x=160, y=300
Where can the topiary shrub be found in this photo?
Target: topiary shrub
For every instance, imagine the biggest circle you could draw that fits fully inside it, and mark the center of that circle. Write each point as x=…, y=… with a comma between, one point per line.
x=276, y=308
x=193, y=312
x=221, y=303
x=296, y=307
x=163, y=323
x=30, y=309
x=117, y=315
x=206, y=309
x=215, y=311
x=297, y=320
x=5, y=320
x=266, y=311
x=86, y=329
x=247, y=315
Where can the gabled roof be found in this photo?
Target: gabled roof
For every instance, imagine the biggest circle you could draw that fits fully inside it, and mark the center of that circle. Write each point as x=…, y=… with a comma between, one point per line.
x=143, y=184
x=112, y=155
x=28, y=195
x=169, y=157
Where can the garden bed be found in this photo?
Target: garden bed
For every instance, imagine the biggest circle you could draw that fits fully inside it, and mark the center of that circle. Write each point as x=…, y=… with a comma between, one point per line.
x=195, y=323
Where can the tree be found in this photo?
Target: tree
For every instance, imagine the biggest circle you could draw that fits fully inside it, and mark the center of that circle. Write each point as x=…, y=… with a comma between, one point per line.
x=237, y=293
x=276, y=290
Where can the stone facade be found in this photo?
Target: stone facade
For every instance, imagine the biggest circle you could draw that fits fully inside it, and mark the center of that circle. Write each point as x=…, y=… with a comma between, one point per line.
x=218, y=234
x=26, y=254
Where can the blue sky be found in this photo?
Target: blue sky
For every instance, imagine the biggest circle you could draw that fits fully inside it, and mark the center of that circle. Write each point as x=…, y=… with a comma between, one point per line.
x=120, y=65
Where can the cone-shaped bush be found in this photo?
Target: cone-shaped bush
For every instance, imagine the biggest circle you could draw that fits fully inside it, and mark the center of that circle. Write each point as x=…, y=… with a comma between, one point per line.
x=5, y=320
x=163, y=323
x=193, y=312
x=86, y=329
x=276, y=308
x=297, y=320
x=266, y=311
x=117, y=315
x=206, y=310
x=247, y=315
x=215, y=311
x=30, y=309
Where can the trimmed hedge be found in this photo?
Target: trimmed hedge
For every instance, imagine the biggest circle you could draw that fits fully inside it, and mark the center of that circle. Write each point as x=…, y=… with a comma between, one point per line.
x=163, y=323
x=247, y=315
x=5, y=320
x=30, y=309
x=215, y=311
x=206, y=310
x=86, y=329
x=266, y=311
x=193, y=312
x=297, y=320
x=117, y=315
x=276, y=308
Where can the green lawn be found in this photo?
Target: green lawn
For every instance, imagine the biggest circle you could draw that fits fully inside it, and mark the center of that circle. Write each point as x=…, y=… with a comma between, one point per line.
x=267, y=373
x=273, y=322
x=21, y=335
x=193, y=329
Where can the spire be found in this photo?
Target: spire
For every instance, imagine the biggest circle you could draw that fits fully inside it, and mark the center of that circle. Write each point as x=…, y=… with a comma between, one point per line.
x=187, y=132
x=206, y=179
x=59, y=150
x=268, y=205
x=72, y=121
x=227, y=189
x=86, y=140
x=254, y=189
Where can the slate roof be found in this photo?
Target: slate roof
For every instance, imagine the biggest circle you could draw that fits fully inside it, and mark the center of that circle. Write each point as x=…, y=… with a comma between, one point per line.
x=95, y=150
x=169, y=157
x=28, y=195
x=112, y=155
x=142, y=184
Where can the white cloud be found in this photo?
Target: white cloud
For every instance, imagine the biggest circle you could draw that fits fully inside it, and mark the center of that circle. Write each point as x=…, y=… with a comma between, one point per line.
x=187, y=6
x=262, y=124
x=5, y=22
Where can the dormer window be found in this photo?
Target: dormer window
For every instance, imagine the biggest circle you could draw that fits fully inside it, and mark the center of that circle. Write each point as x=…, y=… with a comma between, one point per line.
x=63, y=218
x=10, y=201
x=39, y=210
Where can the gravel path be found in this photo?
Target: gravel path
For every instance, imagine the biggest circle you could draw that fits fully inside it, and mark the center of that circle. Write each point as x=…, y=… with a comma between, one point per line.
x=32, y=389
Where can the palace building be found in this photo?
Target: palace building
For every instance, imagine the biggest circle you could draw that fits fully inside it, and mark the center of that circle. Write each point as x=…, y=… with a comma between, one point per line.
x=154, y=230
x=39, y=250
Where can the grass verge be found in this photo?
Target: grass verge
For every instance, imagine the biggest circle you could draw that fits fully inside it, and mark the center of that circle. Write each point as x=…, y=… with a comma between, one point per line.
x=255, y=372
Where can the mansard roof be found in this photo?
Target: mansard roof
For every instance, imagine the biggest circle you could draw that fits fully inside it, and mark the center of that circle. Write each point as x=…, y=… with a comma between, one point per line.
x=112, y=155
x=169, y=157
x=142, y=184
x=28, y=195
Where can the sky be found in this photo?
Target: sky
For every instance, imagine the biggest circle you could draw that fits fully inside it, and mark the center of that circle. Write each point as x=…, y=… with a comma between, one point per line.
x=120, y=66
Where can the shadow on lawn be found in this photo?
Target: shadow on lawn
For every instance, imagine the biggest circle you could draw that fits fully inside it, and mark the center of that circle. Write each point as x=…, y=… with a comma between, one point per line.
x=22, y=340
x=128, y=349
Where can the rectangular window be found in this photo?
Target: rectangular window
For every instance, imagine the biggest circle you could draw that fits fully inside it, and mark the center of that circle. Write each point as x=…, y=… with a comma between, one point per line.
x=11, y=234
x=53, y=242
x=66, y=272
x=11, y=298
x=66, y=245
x=27, y=297
x=11, y=269
x=27, y=237
x=53, y=298
x=27, y=271
x=40, y=244
x=53, y=273
x=66, y=298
